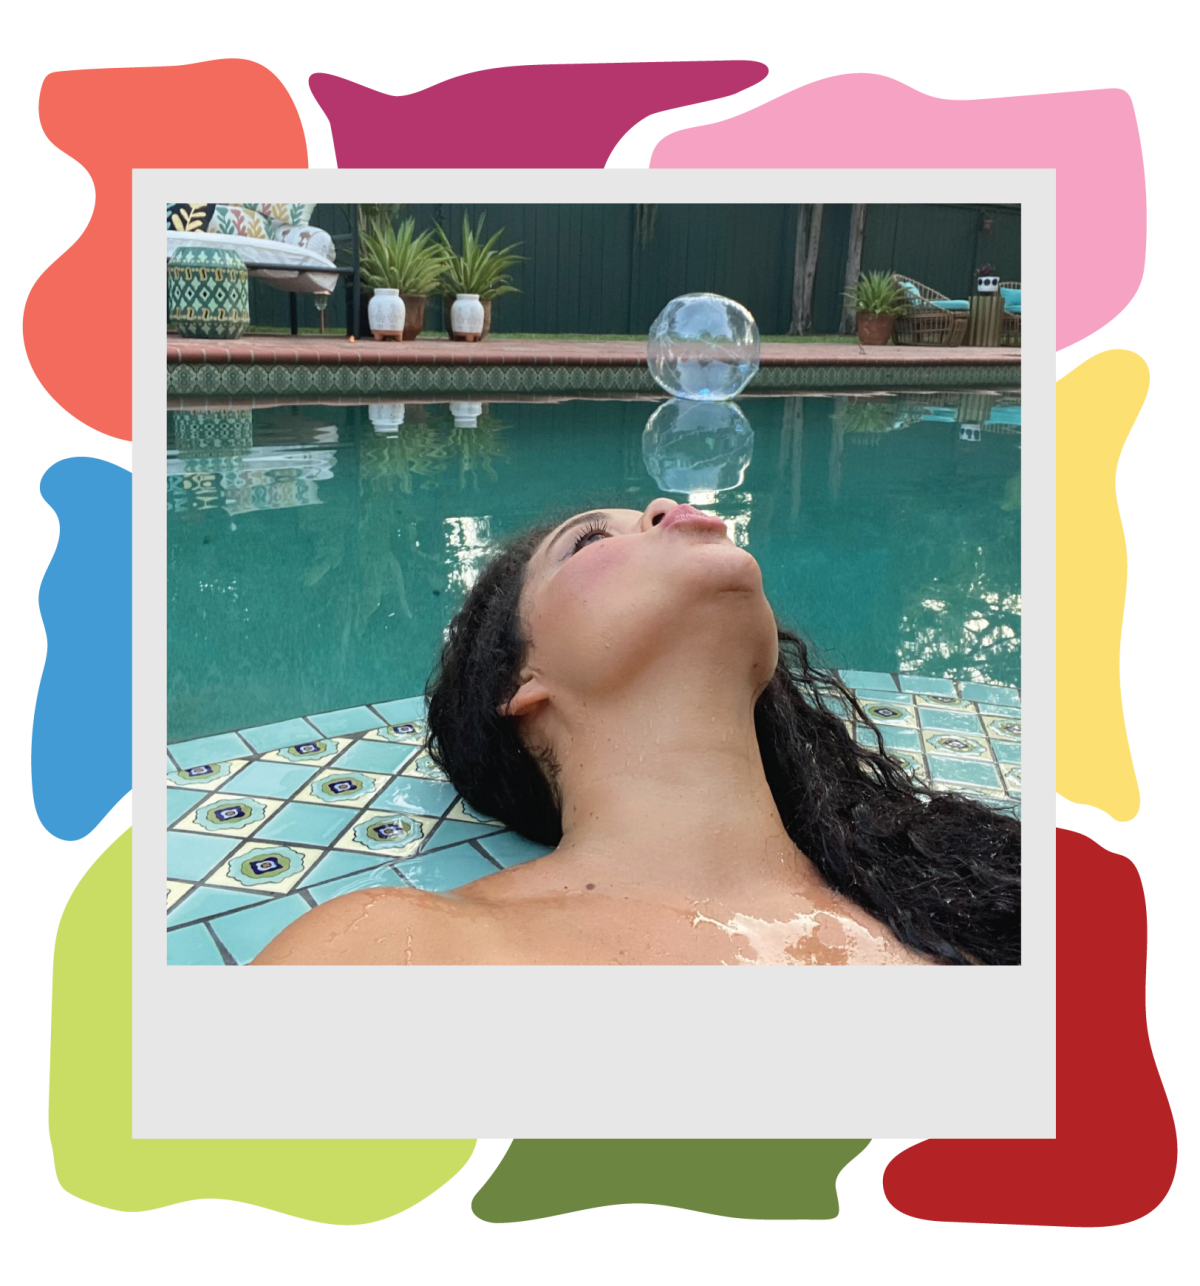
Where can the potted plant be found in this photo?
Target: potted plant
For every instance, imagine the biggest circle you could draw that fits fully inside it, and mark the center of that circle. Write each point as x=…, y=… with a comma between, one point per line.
x=878, y=299
x=987, y=282
x=474, y=277
x=404, y=269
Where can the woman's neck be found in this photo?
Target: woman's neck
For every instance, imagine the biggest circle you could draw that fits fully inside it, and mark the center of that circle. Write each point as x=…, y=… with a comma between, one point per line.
x=665, y=792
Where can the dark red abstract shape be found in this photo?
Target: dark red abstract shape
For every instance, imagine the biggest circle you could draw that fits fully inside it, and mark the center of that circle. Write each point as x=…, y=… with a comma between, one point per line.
x=1114, y=1157
x=561, y=115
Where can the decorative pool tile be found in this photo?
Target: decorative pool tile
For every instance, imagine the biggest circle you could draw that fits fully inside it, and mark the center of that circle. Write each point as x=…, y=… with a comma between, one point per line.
x=957, y=744
x=892, y=714
x=205, y=776
x=345, y=787
x=230, y=815
x=386, y=835
x=266, y=823
x=275, y=867
x=316, y=753
x=408, y=732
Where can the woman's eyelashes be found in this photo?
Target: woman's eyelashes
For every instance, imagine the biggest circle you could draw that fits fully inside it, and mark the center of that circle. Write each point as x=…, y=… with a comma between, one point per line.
x=586, y=535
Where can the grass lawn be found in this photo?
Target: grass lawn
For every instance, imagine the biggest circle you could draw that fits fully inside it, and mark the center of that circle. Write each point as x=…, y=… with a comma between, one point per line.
x=766, y=339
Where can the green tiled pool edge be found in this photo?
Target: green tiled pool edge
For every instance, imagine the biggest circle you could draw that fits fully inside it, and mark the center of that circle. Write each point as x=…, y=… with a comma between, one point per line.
x=311, y=823
x=192, y=379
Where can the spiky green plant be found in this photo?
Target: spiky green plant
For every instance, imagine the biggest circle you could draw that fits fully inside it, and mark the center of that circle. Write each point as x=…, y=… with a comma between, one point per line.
x=879, y=293
x=397, y=259
x=479, y=268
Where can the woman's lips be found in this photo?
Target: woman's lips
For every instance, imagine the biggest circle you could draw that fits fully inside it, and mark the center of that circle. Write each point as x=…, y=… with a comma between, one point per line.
x=693, y=518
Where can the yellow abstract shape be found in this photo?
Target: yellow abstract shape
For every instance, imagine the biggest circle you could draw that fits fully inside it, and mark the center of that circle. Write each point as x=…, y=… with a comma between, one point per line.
x=337, y=1181
x=1097, y=405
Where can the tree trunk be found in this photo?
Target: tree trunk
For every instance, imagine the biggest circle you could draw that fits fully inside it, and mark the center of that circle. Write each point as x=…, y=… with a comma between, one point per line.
x=858, y=227
x=801, y=251
x=810, y=267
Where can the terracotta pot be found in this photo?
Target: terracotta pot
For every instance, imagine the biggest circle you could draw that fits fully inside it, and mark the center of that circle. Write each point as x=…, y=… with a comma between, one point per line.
x=873, y=328
x=414, y=315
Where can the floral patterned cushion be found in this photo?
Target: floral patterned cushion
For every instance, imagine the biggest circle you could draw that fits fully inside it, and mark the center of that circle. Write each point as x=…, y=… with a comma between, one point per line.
x=283, y=211
x=189, y=216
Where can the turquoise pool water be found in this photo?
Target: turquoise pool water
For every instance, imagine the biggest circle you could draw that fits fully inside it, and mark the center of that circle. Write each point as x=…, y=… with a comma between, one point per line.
x=316, y=553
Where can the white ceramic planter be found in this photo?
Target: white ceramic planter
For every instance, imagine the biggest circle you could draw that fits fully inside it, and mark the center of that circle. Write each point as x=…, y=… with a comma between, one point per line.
x=466, y=414
x=466, y=317
x=970, y=433
x=988, y=285
x=385, y=314
x=386, y=417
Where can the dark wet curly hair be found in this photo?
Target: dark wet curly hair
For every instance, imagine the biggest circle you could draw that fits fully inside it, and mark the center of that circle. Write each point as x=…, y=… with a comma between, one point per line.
x=941, y=870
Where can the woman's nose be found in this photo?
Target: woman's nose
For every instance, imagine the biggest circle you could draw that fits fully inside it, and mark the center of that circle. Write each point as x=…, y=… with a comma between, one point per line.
x=655, y=512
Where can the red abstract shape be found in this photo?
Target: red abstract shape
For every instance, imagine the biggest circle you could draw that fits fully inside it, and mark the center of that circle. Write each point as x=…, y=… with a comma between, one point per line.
x=1113, y=1159
x=561, y=115
x=227, y=114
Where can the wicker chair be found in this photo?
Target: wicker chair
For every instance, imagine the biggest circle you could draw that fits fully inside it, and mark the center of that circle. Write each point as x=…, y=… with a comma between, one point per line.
x=1010, y=332
x=929, y=325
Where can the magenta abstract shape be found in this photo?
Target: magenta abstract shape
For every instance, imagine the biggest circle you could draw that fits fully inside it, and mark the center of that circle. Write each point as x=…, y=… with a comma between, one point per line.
x=1090, y=137
x=557, y=116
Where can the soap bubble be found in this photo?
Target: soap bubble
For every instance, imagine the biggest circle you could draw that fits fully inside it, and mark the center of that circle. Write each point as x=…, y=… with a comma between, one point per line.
x=697, y=446
x=703, y=347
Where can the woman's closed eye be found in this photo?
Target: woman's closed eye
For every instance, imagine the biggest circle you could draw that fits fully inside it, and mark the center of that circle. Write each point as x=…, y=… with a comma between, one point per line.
x=586, y=535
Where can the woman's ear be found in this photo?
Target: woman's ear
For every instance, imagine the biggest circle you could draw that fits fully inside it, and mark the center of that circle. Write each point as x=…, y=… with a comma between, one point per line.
x=527, y=698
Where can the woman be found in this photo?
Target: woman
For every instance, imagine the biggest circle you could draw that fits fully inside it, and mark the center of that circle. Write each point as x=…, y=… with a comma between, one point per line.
x=617, y=685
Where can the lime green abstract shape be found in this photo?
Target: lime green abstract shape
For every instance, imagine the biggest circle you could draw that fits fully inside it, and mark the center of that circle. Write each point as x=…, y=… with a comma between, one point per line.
x=741, y=1178
x=337, y=1181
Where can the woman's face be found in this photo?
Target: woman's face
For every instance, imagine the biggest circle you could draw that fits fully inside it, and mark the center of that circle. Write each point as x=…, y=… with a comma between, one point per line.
x=613, y=594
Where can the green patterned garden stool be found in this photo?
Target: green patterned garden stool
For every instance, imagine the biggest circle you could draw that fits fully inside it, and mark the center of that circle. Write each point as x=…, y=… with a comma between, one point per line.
x=208, y=293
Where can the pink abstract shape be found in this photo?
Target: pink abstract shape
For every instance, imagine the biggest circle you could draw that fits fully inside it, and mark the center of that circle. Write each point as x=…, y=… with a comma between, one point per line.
x=1089, y=137
x=562, y=115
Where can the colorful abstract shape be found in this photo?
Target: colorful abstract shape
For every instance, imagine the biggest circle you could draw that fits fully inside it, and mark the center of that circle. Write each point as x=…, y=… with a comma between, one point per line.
x=336, y=1181
x=1113, y=1159
x=86, y=606
x=1089, y=137
x=554, y=115
x=740, y=1178
x=113, y=120
x=1098, y=403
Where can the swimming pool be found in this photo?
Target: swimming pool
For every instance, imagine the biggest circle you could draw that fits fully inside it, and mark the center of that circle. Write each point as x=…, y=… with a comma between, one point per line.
x=317, y=552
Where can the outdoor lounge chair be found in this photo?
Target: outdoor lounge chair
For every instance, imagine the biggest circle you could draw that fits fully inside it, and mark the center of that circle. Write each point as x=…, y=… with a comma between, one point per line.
x=276, y=242
x=930, y=321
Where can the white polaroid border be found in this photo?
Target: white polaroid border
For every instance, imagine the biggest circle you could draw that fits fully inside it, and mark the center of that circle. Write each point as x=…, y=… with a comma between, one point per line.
x=595, y=1052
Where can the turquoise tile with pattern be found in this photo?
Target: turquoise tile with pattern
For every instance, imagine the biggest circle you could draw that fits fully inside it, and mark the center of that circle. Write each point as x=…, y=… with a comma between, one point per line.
x=275, y=781
x=289, y=732
x=208, y=750
x=336, y=723
x=338, y=863
x=511, y=849
x=948, y=720
x=454, y=832
x=376, y=756
x=874, y=680
x=964, y=772
x=179, y=801
x=448, y=869
x=191, y=857
x=376, y=877
x=317, y=824
x=991, y=693
x=192, y=945
x=206, y=899
x=400, y=711
x=415, y=795
x=245, y=933
x=931, y=687
x=1008, y=752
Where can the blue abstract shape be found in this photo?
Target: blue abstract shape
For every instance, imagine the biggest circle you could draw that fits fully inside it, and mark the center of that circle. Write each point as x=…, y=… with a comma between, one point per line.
x=86, y=601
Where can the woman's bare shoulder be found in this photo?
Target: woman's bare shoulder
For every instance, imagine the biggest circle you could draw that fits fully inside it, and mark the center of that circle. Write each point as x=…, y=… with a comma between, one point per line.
x=380, y=926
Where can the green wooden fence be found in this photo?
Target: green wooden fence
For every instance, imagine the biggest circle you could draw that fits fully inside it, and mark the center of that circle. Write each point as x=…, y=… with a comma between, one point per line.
x=605, y=269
